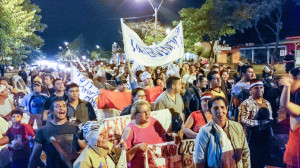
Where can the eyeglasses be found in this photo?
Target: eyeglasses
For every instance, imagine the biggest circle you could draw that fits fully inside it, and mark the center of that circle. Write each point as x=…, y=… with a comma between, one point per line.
x=144, y=112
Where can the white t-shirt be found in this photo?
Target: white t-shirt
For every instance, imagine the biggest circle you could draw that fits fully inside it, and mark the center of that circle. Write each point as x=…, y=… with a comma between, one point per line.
x=5, y=108
x=3, y=128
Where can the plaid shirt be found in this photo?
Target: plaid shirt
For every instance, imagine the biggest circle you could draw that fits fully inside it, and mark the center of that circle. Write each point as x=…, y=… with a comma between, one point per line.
x=248, y=110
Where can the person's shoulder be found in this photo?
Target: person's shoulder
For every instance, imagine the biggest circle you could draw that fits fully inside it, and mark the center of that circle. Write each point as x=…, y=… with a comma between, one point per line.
x=161, y=97
x=235, y=125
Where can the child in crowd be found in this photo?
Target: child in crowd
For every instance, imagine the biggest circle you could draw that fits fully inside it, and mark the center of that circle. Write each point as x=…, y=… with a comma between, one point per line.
x=18, y=136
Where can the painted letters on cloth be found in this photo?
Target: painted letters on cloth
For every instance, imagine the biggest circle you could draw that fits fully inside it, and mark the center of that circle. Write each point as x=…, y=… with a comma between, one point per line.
x=87, y=90
x=169, y=50
x=116, y=125
x=168, y=155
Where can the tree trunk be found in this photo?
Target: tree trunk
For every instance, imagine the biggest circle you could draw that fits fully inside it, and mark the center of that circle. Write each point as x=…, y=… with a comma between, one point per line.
x=211, y=51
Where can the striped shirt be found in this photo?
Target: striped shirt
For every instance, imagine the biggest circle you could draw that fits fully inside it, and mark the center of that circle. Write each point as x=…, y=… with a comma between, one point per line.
x=248, y=111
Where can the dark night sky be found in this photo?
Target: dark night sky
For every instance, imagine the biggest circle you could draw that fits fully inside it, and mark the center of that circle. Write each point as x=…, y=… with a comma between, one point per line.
x=99, y=20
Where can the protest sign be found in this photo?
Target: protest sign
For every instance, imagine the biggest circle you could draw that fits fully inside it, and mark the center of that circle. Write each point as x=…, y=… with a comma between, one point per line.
x=112, y=99
x=169, y=50
x=87, y=90
x=116, y=125
x=168, y=155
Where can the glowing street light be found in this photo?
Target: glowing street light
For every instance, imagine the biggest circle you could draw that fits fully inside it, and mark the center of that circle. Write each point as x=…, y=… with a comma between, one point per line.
x=97, y=46
x=60, y=47
x=66, y=43
x=84, y=57
x=168, y=30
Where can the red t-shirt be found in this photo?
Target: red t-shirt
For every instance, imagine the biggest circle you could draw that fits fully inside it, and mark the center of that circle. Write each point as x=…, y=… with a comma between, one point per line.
x=198, y=120
x=153, y=134
x=292, y=152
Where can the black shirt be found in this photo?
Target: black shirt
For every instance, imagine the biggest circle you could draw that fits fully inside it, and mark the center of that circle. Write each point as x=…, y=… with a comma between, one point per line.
x=67, y=137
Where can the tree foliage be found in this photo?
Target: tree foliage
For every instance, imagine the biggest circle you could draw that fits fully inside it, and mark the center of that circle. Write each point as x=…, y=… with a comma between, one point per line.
x=215, y=19
x=146, y=31
x=19, y=20
x=99, y=53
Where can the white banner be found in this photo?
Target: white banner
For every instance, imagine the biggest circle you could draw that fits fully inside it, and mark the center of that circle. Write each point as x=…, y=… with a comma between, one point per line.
x=87, y=90
x=169, y=50
x=116, y=125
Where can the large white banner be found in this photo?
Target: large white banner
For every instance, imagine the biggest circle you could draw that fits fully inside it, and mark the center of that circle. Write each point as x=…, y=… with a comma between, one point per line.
x=169, y=50
x=116, y=125
x=87, y=90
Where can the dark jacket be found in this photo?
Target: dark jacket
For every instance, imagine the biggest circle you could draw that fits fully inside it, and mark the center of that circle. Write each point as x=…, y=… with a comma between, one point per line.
x=191, y=100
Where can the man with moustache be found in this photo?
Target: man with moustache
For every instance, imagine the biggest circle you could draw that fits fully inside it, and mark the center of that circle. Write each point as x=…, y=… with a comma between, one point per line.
x=221, y=142
x=255, y=114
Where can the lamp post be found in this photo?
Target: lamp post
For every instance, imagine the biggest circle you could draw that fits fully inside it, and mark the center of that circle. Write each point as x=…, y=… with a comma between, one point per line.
x=155, y=13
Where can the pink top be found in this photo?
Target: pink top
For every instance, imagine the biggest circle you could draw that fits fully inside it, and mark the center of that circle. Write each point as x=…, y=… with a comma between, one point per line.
x=153, y=134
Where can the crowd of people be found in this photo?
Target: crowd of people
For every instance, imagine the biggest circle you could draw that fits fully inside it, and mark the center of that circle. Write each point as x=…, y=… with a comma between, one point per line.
x=233, y=119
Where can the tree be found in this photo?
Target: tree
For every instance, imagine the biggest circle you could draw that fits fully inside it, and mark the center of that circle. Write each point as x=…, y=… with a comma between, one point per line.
x=215, y=19
x=18, y=23
x=271, y=12
x=99, y=53
x=146, y=31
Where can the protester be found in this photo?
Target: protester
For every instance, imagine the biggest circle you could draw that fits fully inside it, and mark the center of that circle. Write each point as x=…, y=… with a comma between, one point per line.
x=171, y=97
x=78, y=111
x=4, y=153
x=292, y=152
x=143, y=130
x=255, y=114
x=159, y=82
x=192, y=97
x=6, y=104
x=137, y=94
x=215, y=82
x=221, y=142
x=34, y=104
x=23, y=74
x=240, y=91
x=48, y=88
x=121, y=84
x=59, y=129
x=18, y=136
x=289, y=61
x=191, y=76
x=198, y=119
x=99, y=151
x=225, y=85
x=59, y=92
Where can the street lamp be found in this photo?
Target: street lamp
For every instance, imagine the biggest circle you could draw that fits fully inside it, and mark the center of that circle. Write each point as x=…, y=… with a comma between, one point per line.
x=168, y=30
x=97, y=46
x=66, y=43
x=60, y=47
x=155, y=13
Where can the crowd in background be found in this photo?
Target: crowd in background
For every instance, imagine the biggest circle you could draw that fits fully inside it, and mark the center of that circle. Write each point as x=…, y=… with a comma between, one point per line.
x=232, y=114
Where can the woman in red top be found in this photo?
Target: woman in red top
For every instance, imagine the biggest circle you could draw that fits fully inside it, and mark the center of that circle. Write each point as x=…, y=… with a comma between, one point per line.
x=142, y=130
x=198, y=118
x=292, y=153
